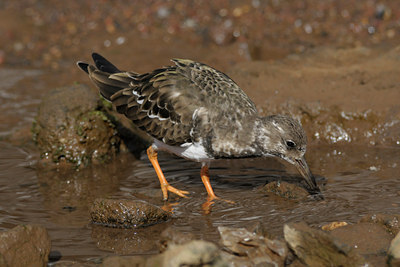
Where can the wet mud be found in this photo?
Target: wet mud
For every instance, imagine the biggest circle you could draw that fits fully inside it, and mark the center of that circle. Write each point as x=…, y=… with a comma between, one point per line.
x=332, y=65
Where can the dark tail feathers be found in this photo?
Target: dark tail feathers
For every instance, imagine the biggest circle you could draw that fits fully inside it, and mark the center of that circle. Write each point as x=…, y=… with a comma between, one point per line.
x=100, y=75
x=103, y=64
x=83, y=66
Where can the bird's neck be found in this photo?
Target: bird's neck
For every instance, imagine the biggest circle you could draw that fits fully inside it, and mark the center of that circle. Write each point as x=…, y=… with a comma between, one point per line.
x=236, y=142
x=265, y=134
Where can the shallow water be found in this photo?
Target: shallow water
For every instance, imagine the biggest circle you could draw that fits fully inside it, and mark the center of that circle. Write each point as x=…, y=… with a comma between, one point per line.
x=357, y=181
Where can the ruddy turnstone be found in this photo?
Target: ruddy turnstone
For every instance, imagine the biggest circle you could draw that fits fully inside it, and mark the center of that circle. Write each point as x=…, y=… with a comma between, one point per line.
x=198, y=113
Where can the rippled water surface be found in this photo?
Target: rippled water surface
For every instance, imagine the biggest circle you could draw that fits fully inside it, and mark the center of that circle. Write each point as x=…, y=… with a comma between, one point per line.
x=358, y=181
x=355, y=180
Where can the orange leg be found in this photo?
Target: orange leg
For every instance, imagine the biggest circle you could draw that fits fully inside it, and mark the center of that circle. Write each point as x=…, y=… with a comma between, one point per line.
x=165, y=187
x=205, y=177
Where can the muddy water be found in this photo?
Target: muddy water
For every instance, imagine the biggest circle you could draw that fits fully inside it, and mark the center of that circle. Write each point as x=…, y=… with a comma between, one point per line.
x=355, y=181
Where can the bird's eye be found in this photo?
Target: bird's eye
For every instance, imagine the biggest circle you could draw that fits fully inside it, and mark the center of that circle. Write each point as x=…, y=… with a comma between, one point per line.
x=290, y=144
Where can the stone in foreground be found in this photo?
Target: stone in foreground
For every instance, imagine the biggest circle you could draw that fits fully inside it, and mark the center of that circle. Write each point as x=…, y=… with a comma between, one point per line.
x=70, y=127
x=193, y=253
x=121, y=213
x=317, y=248
x=394, y=252
x=251, y=249
x=24, y=245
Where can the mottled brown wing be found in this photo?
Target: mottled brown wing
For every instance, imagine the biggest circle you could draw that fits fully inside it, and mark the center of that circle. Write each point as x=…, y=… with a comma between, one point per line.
x=163, y=102
x=221, y=92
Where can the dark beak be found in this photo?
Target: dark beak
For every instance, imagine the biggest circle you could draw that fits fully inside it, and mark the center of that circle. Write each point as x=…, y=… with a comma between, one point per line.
x=302, y=166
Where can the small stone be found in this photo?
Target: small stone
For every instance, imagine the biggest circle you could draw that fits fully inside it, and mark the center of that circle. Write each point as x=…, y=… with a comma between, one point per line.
x=121, y=213
x=394, y=251
x=285, y=190
x=256, y=249
x=193, y=253
x=333, y=225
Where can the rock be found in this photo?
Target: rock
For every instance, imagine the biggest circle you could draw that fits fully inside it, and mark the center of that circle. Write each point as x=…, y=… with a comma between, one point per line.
x=24, y=245
x=193, y=253
x=123, y=213
x=252, y=248
x=171, y=237
x=285, y=190
x=333, y=225
x=258, y=228
x=71, y=127
x=367, y=239
x=394, y=252
x=390, y=222
x=364, y=238
x=317, y=248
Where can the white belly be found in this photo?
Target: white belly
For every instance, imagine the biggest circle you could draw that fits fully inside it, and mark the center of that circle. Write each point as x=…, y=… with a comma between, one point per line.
x=192, y=151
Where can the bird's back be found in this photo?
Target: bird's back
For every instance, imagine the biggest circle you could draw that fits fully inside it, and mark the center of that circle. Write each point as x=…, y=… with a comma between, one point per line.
x=176, y=104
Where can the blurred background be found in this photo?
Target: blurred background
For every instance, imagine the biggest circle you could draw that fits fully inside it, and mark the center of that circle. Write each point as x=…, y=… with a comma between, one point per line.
x=146, y=34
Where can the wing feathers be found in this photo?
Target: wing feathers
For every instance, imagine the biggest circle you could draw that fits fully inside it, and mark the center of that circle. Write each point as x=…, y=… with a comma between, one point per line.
x=162, y=102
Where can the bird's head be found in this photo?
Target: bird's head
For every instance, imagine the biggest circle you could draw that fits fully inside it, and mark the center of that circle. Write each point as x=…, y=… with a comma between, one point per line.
x=284, y=137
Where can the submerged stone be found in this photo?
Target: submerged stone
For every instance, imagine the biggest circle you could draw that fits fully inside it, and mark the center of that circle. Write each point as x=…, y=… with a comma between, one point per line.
x=285, y=190
x=121, y=213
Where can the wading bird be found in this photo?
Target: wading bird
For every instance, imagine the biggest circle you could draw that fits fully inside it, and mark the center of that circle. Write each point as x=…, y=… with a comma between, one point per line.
x=198, y=113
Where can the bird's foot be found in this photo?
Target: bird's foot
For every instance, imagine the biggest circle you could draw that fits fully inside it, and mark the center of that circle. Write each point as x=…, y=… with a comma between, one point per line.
x=211, y=200
x=169, y=207
x=167, y=187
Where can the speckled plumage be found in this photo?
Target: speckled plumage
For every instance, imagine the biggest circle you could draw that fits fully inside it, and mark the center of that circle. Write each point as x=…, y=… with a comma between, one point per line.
x=197, y=112
x=180, y=104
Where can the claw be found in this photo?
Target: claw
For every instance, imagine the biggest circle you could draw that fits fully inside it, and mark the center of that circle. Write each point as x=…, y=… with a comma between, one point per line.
x=172, y=189
x=165, y=187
